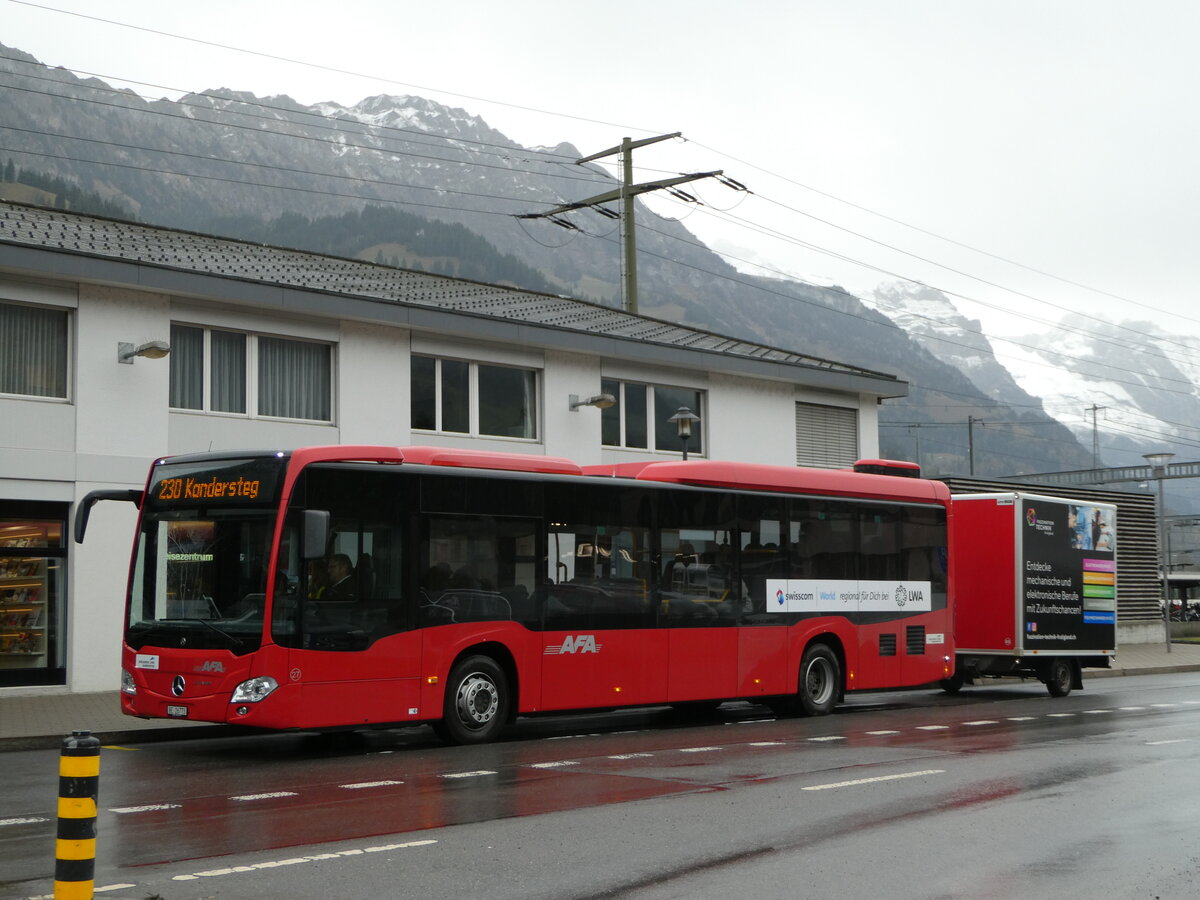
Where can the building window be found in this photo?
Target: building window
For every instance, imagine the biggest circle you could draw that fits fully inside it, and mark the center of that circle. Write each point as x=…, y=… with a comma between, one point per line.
x=638, y=419
x=211, y=370
x=459, y=397
x=826, y=436
x=33, y=351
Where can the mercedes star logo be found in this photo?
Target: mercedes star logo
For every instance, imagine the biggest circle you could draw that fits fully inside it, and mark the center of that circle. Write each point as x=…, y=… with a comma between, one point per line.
x=177, y=686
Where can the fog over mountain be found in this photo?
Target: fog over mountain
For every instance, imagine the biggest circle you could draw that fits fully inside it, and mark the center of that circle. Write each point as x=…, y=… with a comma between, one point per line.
x=405, y=181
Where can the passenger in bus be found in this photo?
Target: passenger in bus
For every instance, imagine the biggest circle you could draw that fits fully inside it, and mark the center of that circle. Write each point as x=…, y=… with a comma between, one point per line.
x=341, y=579
x=318, y=579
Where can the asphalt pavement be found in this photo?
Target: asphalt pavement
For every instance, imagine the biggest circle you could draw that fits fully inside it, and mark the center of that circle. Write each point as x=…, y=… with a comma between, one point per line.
x=40, y=718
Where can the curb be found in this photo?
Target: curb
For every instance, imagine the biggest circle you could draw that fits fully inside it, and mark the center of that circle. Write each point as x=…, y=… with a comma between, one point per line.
x=134, y=736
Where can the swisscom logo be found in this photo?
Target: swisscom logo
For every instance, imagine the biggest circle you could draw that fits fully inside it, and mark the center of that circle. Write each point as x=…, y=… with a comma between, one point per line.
x=780, y=598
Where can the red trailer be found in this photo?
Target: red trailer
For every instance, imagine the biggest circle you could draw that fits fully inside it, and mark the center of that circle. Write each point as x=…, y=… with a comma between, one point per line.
x=1036, y=581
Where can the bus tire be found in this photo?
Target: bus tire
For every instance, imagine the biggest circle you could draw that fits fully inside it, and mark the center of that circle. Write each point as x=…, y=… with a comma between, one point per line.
x=477, y=702
x=953, y=684
x=1060, y=676
x=820, y=681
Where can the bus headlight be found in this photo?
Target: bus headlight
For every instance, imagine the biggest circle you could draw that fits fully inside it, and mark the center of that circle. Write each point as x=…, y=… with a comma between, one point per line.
x=128, y=685
x=254, y=690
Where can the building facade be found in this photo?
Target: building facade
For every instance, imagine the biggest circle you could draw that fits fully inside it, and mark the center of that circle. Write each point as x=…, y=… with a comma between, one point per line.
x=273, y=348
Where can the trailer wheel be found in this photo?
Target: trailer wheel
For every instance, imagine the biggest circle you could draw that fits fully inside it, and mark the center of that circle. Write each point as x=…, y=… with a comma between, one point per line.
x=1060, y=675
x=820, y=681
x=477, y=702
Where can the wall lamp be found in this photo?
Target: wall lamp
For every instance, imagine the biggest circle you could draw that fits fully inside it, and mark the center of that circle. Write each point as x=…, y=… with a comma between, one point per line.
x=126, y=352
x=600, y=401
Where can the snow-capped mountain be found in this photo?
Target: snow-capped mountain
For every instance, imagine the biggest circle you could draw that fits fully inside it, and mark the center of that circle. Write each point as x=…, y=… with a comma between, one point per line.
x=1125, y=388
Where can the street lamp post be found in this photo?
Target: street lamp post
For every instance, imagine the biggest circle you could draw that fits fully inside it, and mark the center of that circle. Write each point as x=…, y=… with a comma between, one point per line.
x=683, y=420
x=1158, y=464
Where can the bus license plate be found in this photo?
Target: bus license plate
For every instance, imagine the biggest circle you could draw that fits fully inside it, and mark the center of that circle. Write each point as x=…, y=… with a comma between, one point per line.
x=179, y=712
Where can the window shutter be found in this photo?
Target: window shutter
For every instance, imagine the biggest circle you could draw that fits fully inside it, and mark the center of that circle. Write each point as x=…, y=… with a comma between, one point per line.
x=826, y=436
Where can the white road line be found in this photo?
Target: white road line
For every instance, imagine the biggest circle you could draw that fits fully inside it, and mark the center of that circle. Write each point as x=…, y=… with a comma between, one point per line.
x=751, y=722
x=296, y=860
x=883, y=732
x=554, y=765
x=828, y=737
x=699, y=749
x=1021, y=718
x=1060, y=715
x=630, y=755
x=932, y=727
x=1164, y=705
x=1095, y=712
x=767, y=744
x=154, y=807
x=28, y=820
x=367, y=784
x=270, y=796
x=477, y=774
x=1131, y=708
x=1172, y=741
x=983, y=722
x=879, y=778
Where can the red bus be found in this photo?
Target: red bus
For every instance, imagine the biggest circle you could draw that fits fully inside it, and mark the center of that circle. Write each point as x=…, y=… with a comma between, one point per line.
x=356, y=586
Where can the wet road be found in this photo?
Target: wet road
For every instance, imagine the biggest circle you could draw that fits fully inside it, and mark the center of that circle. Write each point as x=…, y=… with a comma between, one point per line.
x=997, y=792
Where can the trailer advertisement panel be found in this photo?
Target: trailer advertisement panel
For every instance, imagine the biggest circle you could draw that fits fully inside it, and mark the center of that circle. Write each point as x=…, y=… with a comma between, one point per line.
x=1068, y=575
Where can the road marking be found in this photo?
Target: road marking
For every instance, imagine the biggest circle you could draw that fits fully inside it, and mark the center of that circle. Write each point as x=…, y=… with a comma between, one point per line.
x=882, y=732
x=879, y=778
x=154, y=807
x=296, y=860
x=475, y=774
x=1060, y=715
x=1172, y=741
x=1164, y=705
x=630, y=755
x=1131, y=708
x=554, y=765
x=1021, y=718
x=1095, y=712
x=932, y=727
x=95, y=890
x=367, y=784
x=983, y=722
x=28, y=820
x=269, y=796
x=767, y=744
x=829, y=737
x=751, y=722
x=699, y=749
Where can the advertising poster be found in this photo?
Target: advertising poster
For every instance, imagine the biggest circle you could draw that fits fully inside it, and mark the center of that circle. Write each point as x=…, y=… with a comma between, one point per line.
x=1069, y=575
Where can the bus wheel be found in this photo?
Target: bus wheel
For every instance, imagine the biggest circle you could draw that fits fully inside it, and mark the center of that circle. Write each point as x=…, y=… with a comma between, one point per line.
x=1059, y=677
x=820, y=680
x=477, y=701
x=953, y=684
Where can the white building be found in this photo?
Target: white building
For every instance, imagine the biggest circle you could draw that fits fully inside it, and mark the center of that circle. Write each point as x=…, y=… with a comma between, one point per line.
x=278, y=348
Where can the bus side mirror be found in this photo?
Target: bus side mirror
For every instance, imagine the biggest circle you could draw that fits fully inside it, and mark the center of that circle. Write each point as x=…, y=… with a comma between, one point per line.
x=316, y=533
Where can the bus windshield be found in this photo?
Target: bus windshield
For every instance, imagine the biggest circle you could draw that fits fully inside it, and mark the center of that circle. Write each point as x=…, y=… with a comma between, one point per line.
x=199, y=574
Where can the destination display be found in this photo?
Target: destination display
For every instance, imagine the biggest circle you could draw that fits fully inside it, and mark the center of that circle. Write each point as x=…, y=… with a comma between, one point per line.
x=227, y=482
x=1069, y=575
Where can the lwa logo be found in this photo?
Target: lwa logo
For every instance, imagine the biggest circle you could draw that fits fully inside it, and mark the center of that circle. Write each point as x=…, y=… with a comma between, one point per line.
x=583, y=643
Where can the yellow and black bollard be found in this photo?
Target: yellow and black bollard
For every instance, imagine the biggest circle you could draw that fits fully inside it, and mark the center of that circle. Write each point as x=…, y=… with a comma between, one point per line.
x=78, y=789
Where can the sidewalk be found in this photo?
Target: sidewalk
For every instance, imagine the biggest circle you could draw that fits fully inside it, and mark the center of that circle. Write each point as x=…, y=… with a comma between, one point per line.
x=42, y=720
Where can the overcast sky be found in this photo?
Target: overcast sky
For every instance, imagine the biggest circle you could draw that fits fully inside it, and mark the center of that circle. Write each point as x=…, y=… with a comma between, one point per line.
x=1060, y=135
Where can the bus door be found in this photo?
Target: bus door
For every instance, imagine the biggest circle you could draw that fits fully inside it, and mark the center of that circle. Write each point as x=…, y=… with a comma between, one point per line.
x=600, y=644
x=699, y=603
x=347, y=617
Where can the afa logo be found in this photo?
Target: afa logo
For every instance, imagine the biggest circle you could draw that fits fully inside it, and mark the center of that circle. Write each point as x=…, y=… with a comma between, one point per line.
x=1031, y=516
x=583, y=643
x=780, y=598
